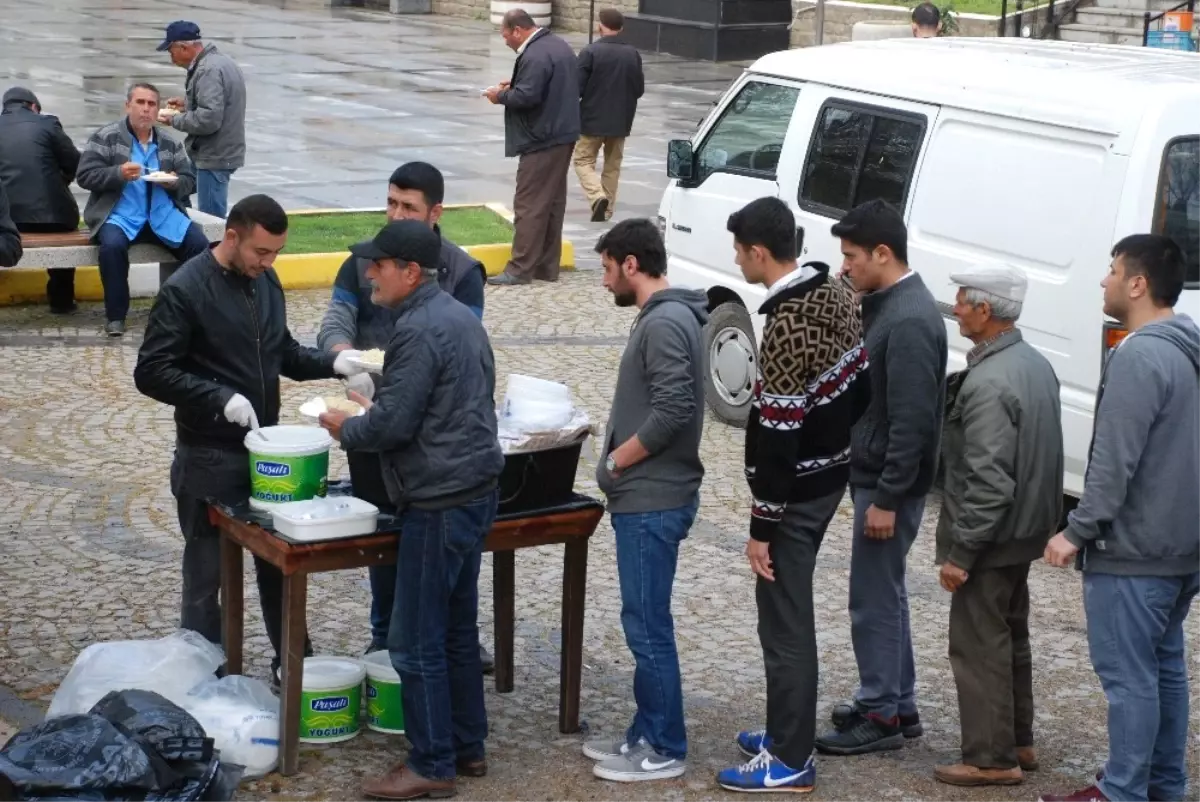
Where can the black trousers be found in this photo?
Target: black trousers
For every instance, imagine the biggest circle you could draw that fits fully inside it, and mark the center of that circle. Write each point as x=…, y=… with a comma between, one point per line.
x=60, y=284
x=787, y=630
x=200, y=473
x=993, y=665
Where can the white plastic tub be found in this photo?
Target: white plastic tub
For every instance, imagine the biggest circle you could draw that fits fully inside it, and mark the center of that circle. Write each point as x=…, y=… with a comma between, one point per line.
x=325, y=518
x=287, y=463
x=331, y=699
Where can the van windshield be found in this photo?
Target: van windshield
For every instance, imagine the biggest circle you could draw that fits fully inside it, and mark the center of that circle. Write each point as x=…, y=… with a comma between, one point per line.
x=1177, y=207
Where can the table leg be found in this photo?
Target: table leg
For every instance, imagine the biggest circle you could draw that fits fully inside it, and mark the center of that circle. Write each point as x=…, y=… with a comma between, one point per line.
x=295, y=601
x=575, y=557
x=503, y=594
x=233, y=604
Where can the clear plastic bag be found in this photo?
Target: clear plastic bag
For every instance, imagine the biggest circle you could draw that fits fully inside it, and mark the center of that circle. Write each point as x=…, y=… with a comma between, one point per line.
x=169, y=666
x=241, y=715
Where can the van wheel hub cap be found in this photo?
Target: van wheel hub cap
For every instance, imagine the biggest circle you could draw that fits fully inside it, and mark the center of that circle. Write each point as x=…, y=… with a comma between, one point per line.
x=731, y=361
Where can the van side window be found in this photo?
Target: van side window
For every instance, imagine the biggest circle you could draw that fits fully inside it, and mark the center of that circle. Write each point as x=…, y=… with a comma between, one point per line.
x=1177, y=207
x=857, y=154
x=749, y=136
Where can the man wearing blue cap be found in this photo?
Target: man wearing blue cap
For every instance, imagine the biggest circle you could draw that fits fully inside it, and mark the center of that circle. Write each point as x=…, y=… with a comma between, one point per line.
x=213, y=114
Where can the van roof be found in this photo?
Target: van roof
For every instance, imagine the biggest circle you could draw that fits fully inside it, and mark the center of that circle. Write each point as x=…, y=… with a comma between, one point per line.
x=1090, y=86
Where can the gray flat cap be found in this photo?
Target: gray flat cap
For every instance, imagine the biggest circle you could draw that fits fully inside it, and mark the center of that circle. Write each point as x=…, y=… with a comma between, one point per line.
x=19, y=94
x=1002, y=280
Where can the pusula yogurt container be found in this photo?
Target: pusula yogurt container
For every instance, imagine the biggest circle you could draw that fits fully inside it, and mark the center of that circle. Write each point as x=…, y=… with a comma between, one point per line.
x=287, y=463
x=330, y=699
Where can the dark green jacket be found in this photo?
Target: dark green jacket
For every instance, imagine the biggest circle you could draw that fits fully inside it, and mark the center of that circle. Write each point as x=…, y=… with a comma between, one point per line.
x=1002, y=448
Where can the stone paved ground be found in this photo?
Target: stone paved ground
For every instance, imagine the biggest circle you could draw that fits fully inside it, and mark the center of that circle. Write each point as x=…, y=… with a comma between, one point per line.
x=89, y=551
x=89, y=548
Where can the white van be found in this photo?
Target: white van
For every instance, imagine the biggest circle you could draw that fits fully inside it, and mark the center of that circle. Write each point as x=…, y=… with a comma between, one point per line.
x=1038, y=153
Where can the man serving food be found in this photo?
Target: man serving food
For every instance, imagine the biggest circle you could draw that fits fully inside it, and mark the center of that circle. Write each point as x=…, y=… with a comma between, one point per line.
x=433, y=425
x=216, y=344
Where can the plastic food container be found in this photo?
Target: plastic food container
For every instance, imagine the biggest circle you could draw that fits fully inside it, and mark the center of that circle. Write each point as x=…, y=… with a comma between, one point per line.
x=325, y=518
x=331, y=699
x=385, y=709
x=287, y=463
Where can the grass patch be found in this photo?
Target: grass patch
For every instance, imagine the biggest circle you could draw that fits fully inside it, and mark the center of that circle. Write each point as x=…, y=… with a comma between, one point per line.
x=333, y=233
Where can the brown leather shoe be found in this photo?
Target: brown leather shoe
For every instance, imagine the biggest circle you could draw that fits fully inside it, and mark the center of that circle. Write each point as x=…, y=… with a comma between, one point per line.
x=961, y=774
x=404, y=783
x=472, y=768
x=1027, y=758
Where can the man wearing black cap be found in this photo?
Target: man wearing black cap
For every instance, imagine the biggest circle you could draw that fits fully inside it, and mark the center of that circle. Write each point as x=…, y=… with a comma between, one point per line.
x=415, y=192
x=37, y=165
x=433, y=424
x=213, y=115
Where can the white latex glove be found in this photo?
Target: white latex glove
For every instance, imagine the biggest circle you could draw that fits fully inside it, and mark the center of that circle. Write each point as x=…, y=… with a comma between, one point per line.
x=239, y=410
x=342, y=365
x=362, y=384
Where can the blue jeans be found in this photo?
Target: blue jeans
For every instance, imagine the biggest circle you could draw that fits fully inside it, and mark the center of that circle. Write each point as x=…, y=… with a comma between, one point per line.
x=212, y=191
x=433, y=641
x=647, y=552
x=1135, y=637
x=113, y=256
x=879, y=625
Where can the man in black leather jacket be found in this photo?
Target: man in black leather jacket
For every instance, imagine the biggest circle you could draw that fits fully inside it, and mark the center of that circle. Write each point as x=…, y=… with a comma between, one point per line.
x=37, y=165
x=216, y=344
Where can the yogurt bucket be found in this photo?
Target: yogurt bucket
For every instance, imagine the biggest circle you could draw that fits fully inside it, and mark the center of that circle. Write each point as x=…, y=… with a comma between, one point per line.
x=287, y=463
x=385, y=710
x=330, y=699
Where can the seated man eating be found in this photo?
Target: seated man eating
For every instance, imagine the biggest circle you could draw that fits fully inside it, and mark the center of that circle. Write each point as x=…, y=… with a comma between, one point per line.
x=125, y=208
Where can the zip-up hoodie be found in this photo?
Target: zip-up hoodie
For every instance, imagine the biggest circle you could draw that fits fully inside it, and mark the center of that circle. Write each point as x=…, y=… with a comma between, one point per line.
x=660, y=398
x=1139, y=514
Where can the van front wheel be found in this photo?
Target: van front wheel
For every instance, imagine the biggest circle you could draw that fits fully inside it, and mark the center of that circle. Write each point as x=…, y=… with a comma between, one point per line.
x=732, y=363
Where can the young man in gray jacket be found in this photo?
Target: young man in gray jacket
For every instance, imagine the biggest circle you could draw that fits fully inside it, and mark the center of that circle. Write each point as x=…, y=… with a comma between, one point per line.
x=651, y=475
x=1002, y=450
x=213, y=115
x=1136, y=532
x=893, y=460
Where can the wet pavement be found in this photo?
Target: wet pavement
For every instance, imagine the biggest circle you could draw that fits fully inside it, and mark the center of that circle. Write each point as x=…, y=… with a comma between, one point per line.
x=337, y=98
x=89, y=545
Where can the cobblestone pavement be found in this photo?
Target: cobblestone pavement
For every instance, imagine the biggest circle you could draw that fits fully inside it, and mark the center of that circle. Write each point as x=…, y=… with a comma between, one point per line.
x=89, y=550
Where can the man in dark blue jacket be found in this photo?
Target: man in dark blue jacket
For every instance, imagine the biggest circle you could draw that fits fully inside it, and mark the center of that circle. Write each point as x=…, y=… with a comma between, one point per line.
x=433, y=423
x=415, y=192
x=541, y=126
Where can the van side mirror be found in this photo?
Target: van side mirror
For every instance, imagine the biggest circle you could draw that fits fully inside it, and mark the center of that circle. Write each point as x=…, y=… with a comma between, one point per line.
x=681, y=160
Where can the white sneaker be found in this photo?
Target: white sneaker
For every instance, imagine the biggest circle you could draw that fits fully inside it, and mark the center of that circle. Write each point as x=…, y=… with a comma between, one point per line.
x=639, y=764
x=606, y=748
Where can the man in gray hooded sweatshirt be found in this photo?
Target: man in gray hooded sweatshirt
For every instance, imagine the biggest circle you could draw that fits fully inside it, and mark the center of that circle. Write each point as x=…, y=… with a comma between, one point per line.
x=1136, y=531
x=651, y=474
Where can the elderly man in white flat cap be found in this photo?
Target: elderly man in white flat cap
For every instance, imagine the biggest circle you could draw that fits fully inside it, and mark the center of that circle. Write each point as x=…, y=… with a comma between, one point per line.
x=1002, y=451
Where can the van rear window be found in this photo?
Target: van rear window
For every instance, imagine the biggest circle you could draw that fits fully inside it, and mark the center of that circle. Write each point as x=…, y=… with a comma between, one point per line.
x=1177, y=207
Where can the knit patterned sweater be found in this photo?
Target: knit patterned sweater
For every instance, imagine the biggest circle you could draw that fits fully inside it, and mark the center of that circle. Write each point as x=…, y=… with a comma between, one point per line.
x=811, y=389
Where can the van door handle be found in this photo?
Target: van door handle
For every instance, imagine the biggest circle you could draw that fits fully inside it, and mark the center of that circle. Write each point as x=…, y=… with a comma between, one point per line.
x=800, y=239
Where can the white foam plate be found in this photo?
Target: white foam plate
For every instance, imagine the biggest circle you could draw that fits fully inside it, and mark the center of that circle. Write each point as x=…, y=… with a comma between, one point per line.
x=314, y=407
x=371, y=367
x=165, y=178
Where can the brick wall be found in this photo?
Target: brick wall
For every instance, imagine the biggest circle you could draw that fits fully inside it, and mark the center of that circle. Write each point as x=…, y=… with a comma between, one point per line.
x=572, y=15
x=840, y=17
x=473, y=9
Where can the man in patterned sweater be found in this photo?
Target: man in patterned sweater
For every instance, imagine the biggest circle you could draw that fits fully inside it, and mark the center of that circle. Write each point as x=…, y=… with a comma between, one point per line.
x=811, y=389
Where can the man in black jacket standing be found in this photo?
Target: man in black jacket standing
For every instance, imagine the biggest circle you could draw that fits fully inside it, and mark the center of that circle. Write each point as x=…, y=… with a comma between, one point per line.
x=541, y=126
x=433, y=425
x=10, y=238
x=610, y=82
x=216, y=344
x=893, y=459
x=37, y=165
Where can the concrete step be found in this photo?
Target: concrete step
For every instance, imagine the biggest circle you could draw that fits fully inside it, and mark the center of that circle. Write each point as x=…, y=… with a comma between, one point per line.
x=1124, y=18
x=1141, y=6
x=1099, y=34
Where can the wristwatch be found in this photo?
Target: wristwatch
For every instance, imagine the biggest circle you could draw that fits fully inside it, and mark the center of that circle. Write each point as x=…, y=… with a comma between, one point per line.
x=610, y=464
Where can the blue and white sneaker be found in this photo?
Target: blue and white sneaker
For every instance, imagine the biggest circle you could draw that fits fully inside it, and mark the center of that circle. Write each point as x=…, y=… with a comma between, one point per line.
x=767, y=774
x=751, y=743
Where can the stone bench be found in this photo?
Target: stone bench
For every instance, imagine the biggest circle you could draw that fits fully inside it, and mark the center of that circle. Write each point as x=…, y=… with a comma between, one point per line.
x=75, y=249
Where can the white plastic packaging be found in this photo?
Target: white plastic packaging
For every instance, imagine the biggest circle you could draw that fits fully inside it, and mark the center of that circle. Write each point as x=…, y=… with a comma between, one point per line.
x=241, y=715
x=532, y=404
x=325, y=518
x=169, y=666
